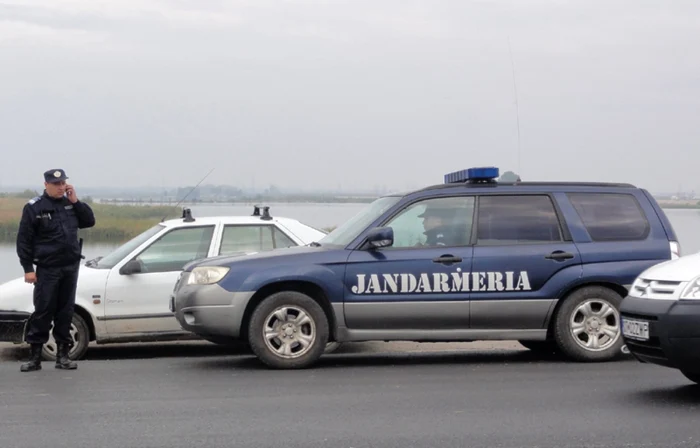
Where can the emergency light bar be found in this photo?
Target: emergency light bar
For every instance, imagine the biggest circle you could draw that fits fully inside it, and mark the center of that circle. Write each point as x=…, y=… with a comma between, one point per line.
x=473, y=175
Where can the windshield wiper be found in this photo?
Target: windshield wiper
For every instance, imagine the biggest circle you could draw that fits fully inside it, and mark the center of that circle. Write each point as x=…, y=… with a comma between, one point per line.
x=315, y=244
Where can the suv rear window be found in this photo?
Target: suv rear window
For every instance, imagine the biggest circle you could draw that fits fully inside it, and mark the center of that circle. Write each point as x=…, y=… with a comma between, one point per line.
x=520, y=219
x=611, y=216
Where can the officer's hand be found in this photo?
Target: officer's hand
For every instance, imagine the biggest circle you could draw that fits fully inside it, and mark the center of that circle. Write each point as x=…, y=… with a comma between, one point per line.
x=30, y=277
x=70, y=194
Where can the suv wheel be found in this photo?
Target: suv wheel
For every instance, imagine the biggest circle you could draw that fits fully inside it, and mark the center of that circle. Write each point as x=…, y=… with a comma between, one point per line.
x=288, y=330
x=587, y=325
x=694, y=377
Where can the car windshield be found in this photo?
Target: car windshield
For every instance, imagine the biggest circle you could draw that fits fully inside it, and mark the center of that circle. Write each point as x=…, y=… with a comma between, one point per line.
x=125, y=249
x=350, y=229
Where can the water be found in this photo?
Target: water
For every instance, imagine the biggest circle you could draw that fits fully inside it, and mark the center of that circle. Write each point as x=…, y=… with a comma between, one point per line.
x=685, y=222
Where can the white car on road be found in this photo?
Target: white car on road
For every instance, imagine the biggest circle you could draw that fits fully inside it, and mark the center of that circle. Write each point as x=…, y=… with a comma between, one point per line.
x=124, y=296
x=661, y=316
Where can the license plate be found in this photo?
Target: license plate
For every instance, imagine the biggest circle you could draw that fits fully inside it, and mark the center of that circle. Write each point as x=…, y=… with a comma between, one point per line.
x=635, y=329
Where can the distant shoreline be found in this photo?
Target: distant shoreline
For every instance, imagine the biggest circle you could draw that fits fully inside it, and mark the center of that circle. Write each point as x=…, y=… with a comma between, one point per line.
x=122, y=220
x=244, y=201
x=692, y=204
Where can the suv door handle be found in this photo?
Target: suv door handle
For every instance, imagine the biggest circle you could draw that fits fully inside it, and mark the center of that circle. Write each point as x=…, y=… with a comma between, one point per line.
x=447, y=259
x=559, y=255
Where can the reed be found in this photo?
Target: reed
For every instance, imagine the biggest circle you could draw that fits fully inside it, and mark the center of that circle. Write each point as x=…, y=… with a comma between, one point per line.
x=114, y=223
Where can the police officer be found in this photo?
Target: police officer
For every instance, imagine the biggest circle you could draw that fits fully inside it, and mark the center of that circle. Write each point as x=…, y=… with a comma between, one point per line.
x=48, y=238
x=438, y=230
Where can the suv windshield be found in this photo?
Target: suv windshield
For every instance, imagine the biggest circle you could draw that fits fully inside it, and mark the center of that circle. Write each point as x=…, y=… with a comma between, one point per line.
x=125, y=249
x=348, y=231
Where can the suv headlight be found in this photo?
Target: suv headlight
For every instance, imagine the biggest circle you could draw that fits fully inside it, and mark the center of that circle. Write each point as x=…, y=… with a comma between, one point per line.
x=692, y=291
x=206, y=275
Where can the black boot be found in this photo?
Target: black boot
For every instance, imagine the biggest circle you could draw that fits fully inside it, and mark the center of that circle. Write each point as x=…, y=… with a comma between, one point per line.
x=34, y=362
x=62, y=359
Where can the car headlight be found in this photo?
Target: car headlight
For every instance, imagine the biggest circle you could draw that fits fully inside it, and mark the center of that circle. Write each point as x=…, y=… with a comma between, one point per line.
x=206, y=275
x=692, y=291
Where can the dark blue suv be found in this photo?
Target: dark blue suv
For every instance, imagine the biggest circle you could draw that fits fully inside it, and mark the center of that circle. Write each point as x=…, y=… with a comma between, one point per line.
x=470, y=259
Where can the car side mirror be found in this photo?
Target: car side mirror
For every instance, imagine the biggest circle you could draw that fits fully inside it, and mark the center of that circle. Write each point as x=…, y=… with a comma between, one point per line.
x=380, y=237
x=131, y=267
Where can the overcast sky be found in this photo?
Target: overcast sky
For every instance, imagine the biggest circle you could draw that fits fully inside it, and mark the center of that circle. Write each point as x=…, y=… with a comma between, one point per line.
x=355, y=93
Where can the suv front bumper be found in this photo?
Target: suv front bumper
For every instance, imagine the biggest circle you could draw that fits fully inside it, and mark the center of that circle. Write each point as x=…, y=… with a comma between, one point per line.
x=209, y=310
x=673, y=336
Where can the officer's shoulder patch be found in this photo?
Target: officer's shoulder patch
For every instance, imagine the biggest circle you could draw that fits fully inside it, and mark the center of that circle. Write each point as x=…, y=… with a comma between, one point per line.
x=33, y=201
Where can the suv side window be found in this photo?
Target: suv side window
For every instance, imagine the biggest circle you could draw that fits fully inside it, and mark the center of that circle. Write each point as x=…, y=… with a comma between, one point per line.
x=517, y=219
x=176, y=248
x=611, y=216
x=452, y=218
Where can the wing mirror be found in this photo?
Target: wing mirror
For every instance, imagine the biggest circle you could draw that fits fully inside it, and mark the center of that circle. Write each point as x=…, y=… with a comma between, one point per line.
x=131, y=267
x=380, y=237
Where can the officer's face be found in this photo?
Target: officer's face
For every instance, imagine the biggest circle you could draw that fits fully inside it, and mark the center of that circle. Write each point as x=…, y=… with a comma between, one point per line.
x=430, y=222
x=55, y=189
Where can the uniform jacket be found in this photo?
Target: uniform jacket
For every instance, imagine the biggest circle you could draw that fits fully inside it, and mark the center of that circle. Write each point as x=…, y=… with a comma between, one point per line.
x=48, y=231
x=441, y=236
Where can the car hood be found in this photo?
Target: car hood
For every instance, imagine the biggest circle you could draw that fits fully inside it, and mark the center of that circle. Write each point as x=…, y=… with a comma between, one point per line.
x=246, y=257
x=679, y=270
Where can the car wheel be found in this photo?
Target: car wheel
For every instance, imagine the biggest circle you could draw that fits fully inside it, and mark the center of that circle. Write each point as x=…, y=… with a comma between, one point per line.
x=540, y=346
x=694, y=377
x=80, y=333
x=587, y=325
x=288, y=330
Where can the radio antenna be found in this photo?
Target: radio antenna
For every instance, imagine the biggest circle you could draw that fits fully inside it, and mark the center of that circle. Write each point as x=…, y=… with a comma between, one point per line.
x=190, y=192
x=517, y=109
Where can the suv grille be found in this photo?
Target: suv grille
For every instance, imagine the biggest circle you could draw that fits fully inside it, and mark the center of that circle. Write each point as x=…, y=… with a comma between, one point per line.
x=655, y=289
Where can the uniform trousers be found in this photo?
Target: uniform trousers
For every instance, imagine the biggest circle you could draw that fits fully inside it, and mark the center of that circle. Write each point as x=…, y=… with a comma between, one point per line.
x=54, y=300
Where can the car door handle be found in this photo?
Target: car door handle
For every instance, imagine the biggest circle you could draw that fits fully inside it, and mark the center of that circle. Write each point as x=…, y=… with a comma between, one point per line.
x=559, y=255
x=447, y=259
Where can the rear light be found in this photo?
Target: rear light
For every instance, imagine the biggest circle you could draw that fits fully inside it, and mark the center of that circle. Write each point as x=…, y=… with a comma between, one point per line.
x=675, y=249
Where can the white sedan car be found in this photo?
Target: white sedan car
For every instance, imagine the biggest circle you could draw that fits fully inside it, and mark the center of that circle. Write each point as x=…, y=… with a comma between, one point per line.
x=661, y=316
x=124, y=296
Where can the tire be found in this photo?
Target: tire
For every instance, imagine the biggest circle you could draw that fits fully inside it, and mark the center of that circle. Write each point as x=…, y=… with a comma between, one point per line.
x=549, y=347
x=694, y=377
x=81, y=335
x=587, y=312
x=290, y=304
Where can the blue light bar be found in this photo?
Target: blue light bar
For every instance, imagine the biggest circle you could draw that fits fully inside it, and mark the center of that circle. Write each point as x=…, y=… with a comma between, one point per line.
x=479, y=174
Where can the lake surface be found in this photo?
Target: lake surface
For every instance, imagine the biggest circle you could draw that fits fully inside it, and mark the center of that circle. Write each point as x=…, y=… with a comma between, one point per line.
x=685, y=222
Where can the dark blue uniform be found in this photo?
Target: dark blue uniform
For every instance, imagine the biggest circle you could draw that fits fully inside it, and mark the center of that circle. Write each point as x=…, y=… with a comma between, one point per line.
x=443, y=233
x=48, y=238
x=441, y=236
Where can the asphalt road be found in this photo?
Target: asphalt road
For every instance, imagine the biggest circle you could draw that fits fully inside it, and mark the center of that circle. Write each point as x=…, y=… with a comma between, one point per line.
x=198, y=395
